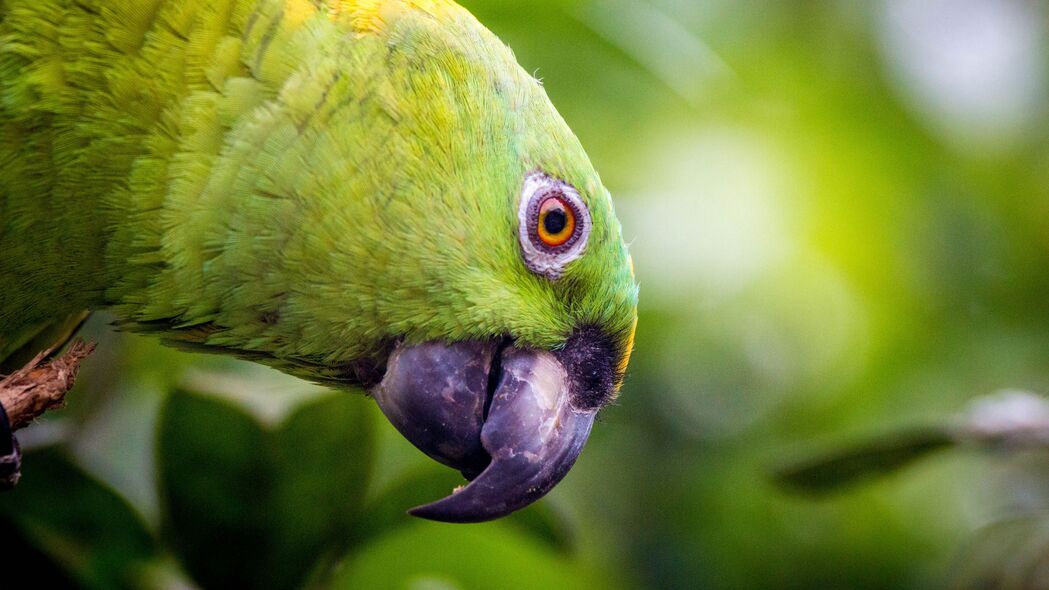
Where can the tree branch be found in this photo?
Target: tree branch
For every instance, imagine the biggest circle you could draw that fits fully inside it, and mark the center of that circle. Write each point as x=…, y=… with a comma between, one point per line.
x=41, y=386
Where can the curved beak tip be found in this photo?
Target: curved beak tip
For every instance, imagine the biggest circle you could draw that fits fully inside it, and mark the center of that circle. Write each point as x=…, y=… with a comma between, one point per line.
x=531, y=434
x=439, y=512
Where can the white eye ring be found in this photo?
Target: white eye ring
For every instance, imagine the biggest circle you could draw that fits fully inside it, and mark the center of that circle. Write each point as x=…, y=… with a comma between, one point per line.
x=543, y=259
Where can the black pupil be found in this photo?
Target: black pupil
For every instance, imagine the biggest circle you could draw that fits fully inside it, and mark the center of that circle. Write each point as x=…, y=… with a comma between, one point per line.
x=555, y=221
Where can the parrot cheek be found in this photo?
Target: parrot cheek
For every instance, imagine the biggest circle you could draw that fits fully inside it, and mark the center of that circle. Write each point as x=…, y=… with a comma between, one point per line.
x=504, y=416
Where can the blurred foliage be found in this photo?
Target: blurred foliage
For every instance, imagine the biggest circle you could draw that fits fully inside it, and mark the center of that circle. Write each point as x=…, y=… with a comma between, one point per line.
x=256, y=508
x=887, y=454
x=839, y=215
x=71, y=527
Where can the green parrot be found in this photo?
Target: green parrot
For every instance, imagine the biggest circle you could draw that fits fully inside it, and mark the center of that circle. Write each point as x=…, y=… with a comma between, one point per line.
x=370, y=194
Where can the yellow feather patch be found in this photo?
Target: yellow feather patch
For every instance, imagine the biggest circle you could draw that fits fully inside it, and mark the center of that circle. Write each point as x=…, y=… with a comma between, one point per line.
x=297, y=11
x=371, y=16
x=629, y=347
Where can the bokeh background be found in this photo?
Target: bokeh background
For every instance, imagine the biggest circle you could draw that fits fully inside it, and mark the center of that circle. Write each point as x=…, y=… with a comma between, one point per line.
x=839, y=215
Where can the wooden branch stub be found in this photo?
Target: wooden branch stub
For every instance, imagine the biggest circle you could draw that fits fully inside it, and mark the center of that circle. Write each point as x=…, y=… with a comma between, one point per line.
x=41, y=386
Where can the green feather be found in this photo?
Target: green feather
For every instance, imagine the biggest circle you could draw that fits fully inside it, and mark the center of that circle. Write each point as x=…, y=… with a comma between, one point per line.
x=284, y=181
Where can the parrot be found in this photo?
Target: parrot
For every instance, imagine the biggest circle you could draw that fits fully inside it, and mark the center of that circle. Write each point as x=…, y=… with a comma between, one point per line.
x=368, y=194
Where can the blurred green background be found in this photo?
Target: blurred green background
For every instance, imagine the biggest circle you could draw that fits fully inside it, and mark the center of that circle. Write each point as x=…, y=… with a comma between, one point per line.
x=839, y=215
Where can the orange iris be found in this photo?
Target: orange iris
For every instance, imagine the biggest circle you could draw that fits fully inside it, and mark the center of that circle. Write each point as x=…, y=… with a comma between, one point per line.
x=556, y=221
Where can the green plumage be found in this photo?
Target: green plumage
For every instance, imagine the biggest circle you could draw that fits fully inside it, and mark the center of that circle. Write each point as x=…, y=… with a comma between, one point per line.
x=296, y=182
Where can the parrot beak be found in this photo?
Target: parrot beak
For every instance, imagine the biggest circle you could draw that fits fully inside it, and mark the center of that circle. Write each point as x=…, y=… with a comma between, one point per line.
x=502, y=415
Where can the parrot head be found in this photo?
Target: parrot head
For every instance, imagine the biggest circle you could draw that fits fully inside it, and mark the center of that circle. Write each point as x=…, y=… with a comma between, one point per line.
x=509, y=396
x=497, y=264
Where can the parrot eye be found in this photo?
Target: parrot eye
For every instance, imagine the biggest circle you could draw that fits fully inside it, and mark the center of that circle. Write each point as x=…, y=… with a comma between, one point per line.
x=553, y=225
x=556, y=221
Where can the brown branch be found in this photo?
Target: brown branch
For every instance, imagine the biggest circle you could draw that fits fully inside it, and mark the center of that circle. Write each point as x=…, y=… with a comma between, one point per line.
x=41, y=386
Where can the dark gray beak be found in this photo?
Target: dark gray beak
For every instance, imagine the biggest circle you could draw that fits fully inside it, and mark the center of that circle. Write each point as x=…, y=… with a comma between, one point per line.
x=502, y=416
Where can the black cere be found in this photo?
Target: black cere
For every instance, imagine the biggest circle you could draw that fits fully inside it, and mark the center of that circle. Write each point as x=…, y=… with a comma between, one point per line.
x=590, y=359
x=555, y=221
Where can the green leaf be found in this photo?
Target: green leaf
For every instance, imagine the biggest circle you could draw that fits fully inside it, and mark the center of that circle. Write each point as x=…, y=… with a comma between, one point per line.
x=439, y=555
x=60, y=515
x=23, y=549
x=863, y=461
x=247, y=506
x=390, y=509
